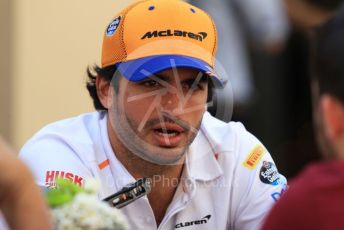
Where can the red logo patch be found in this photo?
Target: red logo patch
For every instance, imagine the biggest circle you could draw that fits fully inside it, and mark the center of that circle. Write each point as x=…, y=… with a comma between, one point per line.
x=51, y=176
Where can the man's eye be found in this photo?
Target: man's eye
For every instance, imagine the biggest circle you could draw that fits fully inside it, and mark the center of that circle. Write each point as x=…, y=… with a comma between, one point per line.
x=192, y=85
x=150, y=83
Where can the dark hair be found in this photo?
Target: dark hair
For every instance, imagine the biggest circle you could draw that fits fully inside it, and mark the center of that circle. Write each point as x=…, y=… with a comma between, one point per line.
x=109, y=73
x=328, y=57
x=326, y=4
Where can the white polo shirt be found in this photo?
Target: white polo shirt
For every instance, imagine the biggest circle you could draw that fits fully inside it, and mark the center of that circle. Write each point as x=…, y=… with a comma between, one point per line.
x=229, y=180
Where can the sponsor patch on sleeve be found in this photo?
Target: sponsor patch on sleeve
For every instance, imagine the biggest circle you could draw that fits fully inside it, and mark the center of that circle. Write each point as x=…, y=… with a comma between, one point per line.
x=254, y=157
x=51, y=176
x=269, y=174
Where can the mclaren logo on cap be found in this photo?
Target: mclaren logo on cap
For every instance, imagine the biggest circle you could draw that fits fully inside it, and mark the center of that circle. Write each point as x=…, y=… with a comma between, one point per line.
x=177, y=33
x=113, y=26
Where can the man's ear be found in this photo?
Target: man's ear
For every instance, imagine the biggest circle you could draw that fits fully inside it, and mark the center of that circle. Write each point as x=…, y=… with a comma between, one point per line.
x=333, y=117
x=103, y=87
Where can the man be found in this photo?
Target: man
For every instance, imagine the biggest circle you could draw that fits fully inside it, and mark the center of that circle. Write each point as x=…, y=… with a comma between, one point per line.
x=21, y=201
x=151, y=94
x=315, y=198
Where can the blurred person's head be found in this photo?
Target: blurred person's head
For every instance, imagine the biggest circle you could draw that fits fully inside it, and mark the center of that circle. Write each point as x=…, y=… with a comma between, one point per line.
x=326, y=4
x=311, y=13
x=328, y=86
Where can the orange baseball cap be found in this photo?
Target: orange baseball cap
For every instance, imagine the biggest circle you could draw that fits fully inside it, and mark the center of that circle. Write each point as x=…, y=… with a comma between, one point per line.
x=151, y=36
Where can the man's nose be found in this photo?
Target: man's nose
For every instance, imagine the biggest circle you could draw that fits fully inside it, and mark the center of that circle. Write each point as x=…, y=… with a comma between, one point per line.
x=172, y=101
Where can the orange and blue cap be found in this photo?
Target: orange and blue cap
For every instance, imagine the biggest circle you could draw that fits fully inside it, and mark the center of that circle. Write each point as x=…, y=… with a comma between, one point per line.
x=151, y=36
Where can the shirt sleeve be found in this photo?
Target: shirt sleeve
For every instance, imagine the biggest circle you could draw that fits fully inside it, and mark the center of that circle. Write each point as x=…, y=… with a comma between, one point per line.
x=258, y=184
x=51, y=156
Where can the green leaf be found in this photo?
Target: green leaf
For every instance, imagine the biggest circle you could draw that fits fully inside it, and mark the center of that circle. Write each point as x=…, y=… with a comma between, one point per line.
x=64, y=192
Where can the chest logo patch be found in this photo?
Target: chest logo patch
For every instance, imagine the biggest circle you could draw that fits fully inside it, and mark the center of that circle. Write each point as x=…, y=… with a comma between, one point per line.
x=51, y=176
x=204, y=220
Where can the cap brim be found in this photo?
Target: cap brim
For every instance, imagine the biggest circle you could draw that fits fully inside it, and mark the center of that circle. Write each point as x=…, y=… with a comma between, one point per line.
x=140, y=69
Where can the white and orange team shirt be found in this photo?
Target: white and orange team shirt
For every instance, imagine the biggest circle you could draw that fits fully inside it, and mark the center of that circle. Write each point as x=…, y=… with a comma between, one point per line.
x=229, y=179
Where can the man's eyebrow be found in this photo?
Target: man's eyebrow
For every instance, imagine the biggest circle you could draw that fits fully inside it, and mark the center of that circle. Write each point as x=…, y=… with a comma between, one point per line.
x=204, y=77
x=154, y=77
x=166, y=80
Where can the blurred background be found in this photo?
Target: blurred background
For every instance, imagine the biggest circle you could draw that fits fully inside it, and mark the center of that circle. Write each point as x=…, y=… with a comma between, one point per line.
x=45, y=49
x=264, y=46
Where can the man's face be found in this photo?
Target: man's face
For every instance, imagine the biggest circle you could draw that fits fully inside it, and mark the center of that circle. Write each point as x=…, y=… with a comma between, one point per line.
x=159, y=117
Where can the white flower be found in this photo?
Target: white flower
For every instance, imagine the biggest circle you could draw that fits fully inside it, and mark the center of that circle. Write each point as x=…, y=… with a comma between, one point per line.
x=91, y=186
x=86, y=212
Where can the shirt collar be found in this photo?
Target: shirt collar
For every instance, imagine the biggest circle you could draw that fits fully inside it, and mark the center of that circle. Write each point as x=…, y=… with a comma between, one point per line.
x=202, y=161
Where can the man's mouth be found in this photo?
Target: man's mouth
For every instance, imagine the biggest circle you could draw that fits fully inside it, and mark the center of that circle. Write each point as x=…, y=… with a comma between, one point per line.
x=168, y=134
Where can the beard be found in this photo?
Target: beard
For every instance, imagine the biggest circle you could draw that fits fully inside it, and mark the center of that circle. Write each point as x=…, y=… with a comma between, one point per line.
x=133, y=140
